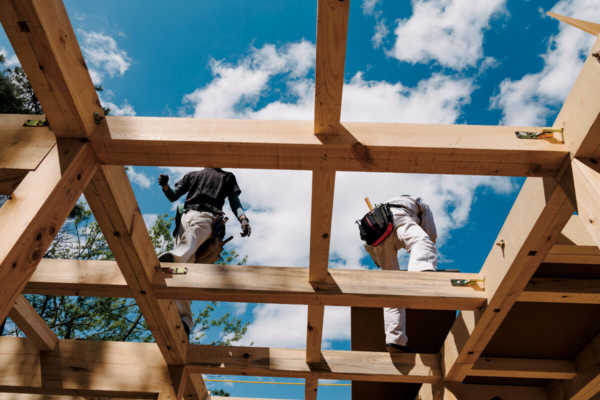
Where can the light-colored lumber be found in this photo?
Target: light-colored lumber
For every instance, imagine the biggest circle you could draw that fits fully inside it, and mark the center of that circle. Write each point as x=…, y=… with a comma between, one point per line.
x=534, y=223
x=454, y=391
x=562, y=290
x=35, y=328
x=314, y=333
x=42, y=37
x=575, y=245
x=586, y=177
x=95, y=368
x=113, y=203
x=586, y=26
x=32, y=217
x=580, y=114
x=186, y=386
x=353, y=365
x=332, y=33
x=393, y=147
x=323, y=188
x=311, y=388
x=524, y=368
x=586, y=384
x=23, y=148
x=284, y=285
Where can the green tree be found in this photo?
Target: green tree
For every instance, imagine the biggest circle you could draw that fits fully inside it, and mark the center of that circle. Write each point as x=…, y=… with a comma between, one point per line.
x=10, y=102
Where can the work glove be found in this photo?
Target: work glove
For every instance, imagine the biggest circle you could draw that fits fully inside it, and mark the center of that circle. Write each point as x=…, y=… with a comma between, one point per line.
x=246, y=230
x=163, y=179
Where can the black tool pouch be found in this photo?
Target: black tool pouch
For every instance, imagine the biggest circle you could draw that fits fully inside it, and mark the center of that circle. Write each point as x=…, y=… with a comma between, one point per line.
x=376, y=225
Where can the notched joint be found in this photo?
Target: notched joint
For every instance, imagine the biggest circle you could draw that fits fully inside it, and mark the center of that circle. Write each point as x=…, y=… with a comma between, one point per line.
x=23, y=27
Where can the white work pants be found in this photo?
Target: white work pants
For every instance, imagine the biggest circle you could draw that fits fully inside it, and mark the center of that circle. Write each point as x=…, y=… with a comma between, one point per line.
x=423, y=257
x=195, y=229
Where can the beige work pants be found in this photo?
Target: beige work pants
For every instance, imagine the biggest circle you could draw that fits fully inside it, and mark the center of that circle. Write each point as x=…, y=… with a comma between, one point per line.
x=409, y=235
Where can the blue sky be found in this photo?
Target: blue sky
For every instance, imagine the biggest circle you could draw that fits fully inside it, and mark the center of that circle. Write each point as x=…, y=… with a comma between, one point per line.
x=425, y=61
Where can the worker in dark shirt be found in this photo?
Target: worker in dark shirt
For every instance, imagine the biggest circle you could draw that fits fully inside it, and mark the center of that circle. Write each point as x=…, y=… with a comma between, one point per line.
x=206, y=192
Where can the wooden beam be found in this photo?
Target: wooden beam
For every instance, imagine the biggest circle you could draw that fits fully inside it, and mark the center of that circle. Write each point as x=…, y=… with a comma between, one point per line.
x=561, y=290
x=575, y=245
x=113, y=203
x=533, y=225
x=524, y=368
x=10, y=179
x=310, y=388
x=314, y=333
x=457, y=391
x=283, y=285
x=352, y=365
x=586, y=177
x=42, y=37
x=447, y=149
x=33, y=216
x=586, y=384
x=589, y=27
x=87, y=368
x=332, y=32
x=35, y=328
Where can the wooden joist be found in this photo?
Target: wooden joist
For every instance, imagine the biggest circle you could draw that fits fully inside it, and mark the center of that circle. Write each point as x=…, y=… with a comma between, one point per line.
x=310, y=388
x=283, y=285
x=586, y=178
x=332, y=33
x=35, y=328
x=32, y=217
x=392, y=147
x=533, y=225
x=524, y=368
x=575, y=245
x=457, y=391
x=561, y=290
x=353, y=365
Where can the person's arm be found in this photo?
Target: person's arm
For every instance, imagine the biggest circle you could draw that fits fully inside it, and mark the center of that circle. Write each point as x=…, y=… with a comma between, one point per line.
x=238, y=211
x=427, y=222
x=181, y=187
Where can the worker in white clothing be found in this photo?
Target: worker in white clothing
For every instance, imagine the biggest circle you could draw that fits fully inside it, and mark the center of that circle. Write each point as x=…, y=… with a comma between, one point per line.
x=414, y=230
x=202, y=217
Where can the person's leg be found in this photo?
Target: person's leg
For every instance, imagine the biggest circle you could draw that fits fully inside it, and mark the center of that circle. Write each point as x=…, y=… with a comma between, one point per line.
x=386, y=257
x=422, y=250
x=196, y=228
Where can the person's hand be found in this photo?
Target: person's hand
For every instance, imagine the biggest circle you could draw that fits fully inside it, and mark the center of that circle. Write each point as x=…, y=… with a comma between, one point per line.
x=246, y=229
x=163, y=180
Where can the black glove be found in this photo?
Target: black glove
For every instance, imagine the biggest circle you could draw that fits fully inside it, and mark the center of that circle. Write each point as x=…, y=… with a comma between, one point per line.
x=246, y=230
x=163, y=179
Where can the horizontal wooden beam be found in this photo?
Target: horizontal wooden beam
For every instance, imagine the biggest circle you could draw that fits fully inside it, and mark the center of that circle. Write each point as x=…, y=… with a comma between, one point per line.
x=458, y=391
x=524, y=368
x=575, y=245
x=559, y=290
x=23, y=148
x=35, y=328
x=284, y=285
x=352, y=365
x=447, y=149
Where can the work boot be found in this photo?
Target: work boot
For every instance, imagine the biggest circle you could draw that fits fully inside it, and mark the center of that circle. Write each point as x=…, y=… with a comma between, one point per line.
x=397, y=348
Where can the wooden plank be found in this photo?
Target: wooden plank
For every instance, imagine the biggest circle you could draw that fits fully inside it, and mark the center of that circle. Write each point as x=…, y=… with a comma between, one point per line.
x=454, y=391
x=359, y=365
x=533, y=225
x=113, y=203
x=580, y=114
x=332, y=33
x=314, y=333
x=586, y=178
x=323, y=188
x=42, y=37
x=524, y=368
x=589, y=27
x=23, y=148
x=575, y=245
x=10, y=179
x=448, y=149
x=94, y=368
x=560, y=290
x=35, y=328
x=284, y=285
x=310, y=388
x=33, y=216
x=586, y=384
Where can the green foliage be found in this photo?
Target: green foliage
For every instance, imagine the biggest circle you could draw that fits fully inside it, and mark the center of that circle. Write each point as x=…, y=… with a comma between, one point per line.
x=219, y=392
x=10, y=102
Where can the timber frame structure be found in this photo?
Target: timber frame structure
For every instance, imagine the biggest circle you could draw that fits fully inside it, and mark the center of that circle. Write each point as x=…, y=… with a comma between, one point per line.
x=533, y=332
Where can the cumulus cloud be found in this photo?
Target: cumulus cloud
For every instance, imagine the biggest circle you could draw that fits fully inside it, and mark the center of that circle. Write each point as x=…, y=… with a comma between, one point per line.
x=368, y=6
x=447, y=31
x=103, y=55
x=138, y=177
x=530, y=100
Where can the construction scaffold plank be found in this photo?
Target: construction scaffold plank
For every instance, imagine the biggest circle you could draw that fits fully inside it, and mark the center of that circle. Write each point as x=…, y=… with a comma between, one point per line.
x=283, y=285
x=392, y=147
x=35, y=328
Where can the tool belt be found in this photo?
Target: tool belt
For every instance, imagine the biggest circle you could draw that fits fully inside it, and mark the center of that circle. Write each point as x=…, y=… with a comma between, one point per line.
x=377, y=224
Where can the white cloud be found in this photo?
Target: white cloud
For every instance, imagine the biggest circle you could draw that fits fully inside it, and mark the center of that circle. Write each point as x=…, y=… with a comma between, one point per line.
x=368, y=6
x=447, y=31
x=103, y=55
x=122, y=110
x=528, y=101
x=138, y=177
x=381, y=31
x=10, y=59
x=150, y=219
